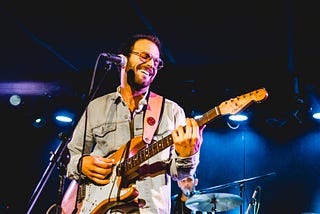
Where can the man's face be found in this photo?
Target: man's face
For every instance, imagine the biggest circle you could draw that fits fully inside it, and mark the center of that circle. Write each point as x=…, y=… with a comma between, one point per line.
x=143, y=70
x=188, y=185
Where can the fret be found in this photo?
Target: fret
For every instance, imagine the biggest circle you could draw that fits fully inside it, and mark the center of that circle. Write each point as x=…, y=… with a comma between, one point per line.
x=137, y=159
x=145, y=154
x=206, y=117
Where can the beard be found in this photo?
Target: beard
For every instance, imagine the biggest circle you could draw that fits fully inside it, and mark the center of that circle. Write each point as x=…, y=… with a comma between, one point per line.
x=188, y=191
x=135, y=82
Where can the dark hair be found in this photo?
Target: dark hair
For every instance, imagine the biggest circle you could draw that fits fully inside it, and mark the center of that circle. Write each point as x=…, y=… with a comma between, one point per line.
x=126, y=47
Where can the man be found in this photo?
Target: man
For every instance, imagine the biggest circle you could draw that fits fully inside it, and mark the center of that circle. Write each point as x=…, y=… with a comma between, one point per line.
x=188, y=188
x=104, y=163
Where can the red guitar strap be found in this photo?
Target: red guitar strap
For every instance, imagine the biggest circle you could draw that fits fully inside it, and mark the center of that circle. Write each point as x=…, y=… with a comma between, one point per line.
x=152, y=116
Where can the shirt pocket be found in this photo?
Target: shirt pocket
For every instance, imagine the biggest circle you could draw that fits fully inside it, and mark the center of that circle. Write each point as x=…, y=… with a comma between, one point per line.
x=103, y=130
x=105, y=136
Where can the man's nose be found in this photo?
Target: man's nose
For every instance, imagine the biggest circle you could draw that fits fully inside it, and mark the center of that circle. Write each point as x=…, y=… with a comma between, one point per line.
x=151, y=62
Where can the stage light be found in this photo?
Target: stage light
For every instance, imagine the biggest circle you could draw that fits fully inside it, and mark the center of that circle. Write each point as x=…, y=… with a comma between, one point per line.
x=238, y=117
x=39, y=122
x=314, y=100
x=64, y=117
x=15, y=100
x=314, y=111
x=316, y=115
x=197, y=116
x=235, y=120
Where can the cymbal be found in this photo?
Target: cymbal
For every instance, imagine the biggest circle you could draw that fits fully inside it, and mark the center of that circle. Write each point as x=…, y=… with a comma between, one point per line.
x=222, y=186
x=213, y=202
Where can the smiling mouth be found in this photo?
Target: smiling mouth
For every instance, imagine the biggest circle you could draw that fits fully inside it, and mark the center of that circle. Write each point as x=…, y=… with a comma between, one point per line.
x=145, y=72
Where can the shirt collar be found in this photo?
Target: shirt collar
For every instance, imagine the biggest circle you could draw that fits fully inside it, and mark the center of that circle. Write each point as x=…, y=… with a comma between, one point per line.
x=143, y=102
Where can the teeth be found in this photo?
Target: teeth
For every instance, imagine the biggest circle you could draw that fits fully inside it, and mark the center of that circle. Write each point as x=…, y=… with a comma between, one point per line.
x=145, y=72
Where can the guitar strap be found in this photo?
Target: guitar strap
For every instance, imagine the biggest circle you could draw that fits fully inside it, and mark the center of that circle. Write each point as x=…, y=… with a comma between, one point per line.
x=152, y=116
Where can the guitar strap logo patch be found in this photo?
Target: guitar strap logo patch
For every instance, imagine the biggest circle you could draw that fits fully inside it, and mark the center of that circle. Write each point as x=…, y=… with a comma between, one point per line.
x=152, y=116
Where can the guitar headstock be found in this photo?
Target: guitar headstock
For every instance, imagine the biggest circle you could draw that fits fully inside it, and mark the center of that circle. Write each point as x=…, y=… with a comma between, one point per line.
x=239, y=103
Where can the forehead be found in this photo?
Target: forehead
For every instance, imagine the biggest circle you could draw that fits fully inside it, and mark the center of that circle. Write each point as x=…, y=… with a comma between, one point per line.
x=187, y=179
x=146, y=46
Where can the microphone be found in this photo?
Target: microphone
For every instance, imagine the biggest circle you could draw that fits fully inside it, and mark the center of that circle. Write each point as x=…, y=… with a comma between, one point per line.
x=253, y=199
x=117, y=59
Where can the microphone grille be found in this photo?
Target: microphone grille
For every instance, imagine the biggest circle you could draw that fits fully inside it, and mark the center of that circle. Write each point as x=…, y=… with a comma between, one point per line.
x=123, y=60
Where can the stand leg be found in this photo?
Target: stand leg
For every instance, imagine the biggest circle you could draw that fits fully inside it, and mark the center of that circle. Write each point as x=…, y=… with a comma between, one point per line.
x=240, y=194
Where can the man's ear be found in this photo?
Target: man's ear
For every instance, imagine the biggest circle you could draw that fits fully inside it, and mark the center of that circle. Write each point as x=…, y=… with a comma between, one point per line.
x=196, y=181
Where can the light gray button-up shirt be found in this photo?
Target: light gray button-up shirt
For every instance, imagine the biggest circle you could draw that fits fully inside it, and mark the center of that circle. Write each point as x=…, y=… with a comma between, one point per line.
x=108, y=129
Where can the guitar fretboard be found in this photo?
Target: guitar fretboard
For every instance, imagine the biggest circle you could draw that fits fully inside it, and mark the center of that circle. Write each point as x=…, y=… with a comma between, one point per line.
x=146, y=153
x=157, y=146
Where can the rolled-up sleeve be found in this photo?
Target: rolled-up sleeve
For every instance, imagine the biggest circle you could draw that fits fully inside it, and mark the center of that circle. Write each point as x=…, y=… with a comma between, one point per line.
x=182, y=167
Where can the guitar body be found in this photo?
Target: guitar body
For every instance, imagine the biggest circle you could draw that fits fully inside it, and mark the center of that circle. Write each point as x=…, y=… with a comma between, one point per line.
x=120, y=190
x=100, y=198
x=91, y=202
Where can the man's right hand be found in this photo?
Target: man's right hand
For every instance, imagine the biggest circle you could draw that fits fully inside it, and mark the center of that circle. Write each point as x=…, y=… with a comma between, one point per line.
x=97, y=168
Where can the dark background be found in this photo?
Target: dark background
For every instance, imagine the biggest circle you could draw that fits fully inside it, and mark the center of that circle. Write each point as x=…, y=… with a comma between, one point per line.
x=213, y=51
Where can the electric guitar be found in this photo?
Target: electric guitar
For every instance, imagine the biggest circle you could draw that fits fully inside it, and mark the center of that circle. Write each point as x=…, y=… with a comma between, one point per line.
x=120, y=189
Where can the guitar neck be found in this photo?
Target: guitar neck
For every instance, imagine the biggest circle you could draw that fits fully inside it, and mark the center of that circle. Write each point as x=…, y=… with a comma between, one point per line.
x=231, y=106
x=133, y=162
x=208, y=116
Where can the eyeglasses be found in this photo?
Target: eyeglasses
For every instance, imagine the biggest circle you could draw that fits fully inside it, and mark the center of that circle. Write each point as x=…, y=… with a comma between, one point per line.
x=145, y=57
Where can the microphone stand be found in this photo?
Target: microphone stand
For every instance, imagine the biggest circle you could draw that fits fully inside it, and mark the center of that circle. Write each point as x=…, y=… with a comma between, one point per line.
x=55, y=159
x=59, y=155
x=252, y=203
x=241, y=185
x=253, y=200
